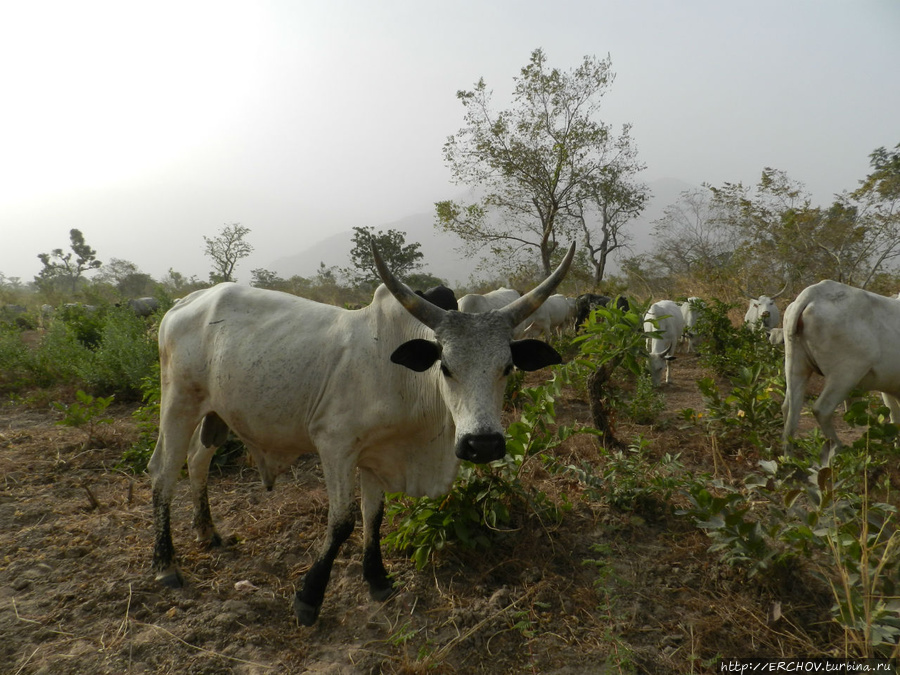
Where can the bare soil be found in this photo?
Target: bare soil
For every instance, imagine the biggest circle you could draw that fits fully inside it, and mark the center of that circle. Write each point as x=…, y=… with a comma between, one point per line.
x=606, y=591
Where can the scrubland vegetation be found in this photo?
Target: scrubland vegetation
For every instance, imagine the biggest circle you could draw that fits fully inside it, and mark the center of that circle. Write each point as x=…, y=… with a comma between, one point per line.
x=824, y=538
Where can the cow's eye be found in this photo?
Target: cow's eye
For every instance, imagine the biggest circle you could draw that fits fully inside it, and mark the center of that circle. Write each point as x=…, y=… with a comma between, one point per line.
x=445, y=370
x=507, y=370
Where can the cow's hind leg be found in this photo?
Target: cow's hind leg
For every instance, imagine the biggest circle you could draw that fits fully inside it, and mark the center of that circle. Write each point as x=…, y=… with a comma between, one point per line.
x=212, y=433
x=837, y=388
x=380, y=585
x=341, y=521
x=164, y=467
x=797, y=372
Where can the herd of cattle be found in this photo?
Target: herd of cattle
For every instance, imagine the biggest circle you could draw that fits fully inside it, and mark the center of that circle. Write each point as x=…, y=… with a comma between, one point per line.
x=396, y=393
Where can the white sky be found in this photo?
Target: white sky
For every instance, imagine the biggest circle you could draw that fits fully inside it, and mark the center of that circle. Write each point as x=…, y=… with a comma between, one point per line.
x=148, y=125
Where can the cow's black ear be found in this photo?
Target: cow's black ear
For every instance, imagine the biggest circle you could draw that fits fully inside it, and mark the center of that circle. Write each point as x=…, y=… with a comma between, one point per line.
x=533, y=354
x=417, y=355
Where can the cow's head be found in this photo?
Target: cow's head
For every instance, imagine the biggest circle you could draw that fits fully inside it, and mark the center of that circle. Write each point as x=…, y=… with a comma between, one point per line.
x=476, y=354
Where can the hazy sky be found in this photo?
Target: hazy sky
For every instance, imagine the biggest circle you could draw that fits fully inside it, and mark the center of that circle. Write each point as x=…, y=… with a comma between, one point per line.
x=150, y=124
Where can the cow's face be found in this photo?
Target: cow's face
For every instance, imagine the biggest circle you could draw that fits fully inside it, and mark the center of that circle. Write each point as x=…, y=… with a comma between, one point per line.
x=656, y=364
x=475, y=354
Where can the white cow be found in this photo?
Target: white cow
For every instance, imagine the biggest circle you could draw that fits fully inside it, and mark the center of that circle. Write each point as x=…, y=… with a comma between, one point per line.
x=764, y=311
x=290, y=376
x=690, y=312
x=664, y=316
x=473, y=303
x=850, y=337
x=552, y=316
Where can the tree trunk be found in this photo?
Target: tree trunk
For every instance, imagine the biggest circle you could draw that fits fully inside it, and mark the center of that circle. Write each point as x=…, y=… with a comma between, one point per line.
x=596, y=386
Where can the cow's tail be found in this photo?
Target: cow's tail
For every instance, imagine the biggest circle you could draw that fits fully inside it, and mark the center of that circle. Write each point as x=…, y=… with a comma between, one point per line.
x=794, y=333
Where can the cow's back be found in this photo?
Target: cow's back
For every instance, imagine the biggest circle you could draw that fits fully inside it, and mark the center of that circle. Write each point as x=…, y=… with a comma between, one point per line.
x=289, y=376
x=670, y=323
x=831, y=324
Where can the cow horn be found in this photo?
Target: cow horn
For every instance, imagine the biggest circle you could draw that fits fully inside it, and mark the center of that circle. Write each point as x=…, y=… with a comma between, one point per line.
x=429, y=314
x=521, y=308
x=784, y=288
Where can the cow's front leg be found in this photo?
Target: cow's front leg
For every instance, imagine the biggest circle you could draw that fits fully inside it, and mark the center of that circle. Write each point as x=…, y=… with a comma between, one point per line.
x=380, y=585
x=341, y=520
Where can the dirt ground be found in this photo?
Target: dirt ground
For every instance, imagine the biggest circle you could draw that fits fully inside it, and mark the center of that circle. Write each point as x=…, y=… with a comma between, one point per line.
x=608, y=591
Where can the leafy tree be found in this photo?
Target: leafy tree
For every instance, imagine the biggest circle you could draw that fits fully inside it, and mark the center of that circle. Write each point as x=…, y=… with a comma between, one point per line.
x=402, y=258
x=689, y=242
x=540, y=164
x=176, y=284
x=606, y=209
x=780, y=235
x=126, y=277
x=878, y=205
x=263, y=278
x=226, y=250
x=67, y=268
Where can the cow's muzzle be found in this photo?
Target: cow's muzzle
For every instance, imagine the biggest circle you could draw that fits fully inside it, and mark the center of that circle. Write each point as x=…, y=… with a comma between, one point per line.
x=481, y=448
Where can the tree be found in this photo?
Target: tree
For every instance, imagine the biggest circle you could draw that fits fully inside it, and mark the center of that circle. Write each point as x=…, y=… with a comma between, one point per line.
x=877, y=200
x=263, y=278
x=605, y=210
x=126, y=277
x=401, y=258
x=782, y=237
x=67, y=268
x=689, y=242
x=539, y=163
x=226, y=250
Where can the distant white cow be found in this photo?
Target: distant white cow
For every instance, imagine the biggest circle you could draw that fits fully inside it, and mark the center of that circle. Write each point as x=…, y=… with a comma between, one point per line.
x=764, y=311
x=850, y=337
x=690, y=312
x=666, y=315
x=776, y=336
x=473, y=303
x=552, y=316
x=290, y=376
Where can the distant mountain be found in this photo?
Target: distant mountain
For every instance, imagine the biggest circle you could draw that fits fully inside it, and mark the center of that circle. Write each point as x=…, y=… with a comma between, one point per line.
x=441, y=258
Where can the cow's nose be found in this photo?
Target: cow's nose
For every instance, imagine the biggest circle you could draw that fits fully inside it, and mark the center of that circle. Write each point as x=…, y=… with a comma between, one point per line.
x=481, y=448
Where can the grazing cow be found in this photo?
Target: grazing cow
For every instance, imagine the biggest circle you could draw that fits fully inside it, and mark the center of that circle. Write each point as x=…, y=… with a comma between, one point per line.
x=690, y=312
x=549, y=317
x=441, y=296
x=664, y=316
x=143, y=307
x=850, y=337
x=290, y=376
x=587, y=303
x=776, y=336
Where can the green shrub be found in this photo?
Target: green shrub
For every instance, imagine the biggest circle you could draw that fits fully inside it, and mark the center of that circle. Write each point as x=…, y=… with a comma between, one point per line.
x=750, y=415
x=831, y=521
x=485, y=499
x=124, y=356
x=136, y=458
x=86, y=411
x=726, y=348
x=15, y=359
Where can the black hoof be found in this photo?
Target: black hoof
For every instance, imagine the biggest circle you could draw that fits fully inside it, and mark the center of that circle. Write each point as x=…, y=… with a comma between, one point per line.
x=306, y=614
x=171, y=579
x=383, y=593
